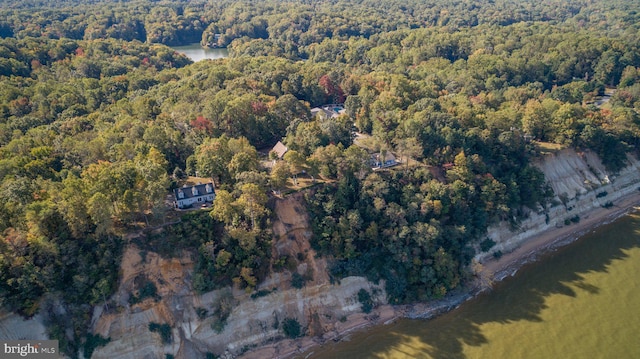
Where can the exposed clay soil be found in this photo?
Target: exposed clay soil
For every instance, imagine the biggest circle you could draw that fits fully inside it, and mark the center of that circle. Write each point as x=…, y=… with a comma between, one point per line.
x=292, y=232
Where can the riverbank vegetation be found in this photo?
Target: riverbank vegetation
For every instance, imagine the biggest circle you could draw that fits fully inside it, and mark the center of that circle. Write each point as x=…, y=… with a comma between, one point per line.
x=99, y=120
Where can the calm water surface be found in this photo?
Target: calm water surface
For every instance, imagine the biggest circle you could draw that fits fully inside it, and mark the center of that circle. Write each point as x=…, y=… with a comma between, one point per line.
x=581, y=302
x=196, y=52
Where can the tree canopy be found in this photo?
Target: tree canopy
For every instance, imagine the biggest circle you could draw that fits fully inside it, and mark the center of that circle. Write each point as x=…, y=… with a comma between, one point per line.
x=99, y=119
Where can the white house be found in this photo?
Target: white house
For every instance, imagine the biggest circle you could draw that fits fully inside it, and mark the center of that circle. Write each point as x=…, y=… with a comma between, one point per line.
x=377, y=160
x=198, y=194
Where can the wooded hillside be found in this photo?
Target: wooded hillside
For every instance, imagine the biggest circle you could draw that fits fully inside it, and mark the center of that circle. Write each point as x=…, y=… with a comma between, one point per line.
x=99, y=120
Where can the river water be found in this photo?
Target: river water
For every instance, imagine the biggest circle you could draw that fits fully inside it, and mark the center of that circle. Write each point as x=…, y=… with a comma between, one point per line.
x=196, y=52
x=583, y=301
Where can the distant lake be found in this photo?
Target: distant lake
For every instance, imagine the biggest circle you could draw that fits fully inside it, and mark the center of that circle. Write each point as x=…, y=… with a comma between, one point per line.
x=196, y=52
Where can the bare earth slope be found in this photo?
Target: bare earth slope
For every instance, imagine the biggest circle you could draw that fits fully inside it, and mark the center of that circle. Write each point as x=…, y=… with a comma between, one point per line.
x=582, y=188
x=318, y=307
x=14, y=327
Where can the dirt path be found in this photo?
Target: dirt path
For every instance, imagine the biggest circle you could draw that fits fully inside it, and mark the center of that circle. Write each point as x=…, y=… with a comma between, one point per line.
x=554, y=237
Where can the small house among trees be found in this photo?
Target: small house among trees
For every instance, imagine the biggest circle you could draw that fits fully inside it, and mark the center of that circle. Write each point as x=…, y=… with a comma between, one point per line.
x=198, y=194
x=328, y=111
x=380, y=161
x=279, y=150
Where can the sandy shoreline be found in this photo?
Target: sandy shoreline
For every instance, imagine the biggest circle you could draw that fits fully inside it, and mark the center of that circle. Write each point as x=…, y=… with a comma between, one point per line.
x=542, y=243
x=490, y=272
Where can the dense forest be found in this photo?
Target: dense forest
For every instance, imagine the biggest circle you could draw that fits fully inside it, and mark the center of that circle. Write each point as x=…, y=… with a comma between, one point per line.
x=99, y=119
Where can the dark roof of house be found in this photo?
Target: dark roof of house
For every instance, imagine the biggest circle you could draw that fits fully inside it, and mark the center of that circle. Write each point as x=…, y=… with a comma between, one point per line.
x=188, y=190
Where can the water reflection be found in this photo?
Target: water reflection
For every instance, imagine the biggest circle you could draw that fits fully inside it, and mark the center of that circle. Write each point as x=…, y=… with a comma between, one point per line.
x=197, y=53
x=507, y=313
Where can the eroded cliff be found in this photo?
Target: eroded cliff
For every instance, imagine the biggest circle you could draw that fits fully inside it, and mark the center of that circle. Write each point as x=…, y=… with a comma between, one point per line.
x=320, y=307
x=580, y=183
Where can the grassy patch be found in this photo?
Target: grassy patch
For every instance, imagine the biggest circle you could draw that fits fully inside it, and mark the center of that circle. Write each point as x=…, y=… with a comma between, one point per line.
x=548, y=147
x=303, y=182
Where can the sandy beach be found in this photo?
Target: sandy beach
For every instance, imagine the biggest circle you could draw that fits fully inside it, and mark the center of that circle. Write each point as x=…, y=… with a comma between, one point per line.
x=534, y=247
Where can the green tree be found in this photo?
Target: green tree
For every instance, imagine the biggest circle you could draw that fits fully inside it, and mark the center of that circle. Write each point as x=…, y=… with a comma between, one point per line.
x=223, y=207
x=251, y=202
x=212, y=157
x=291, y=328
x=296, y=162
x=100, y=213
x=355, y=161
x=72, y=203
x=327, y=159
x=409, y=148
x=280, y=172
